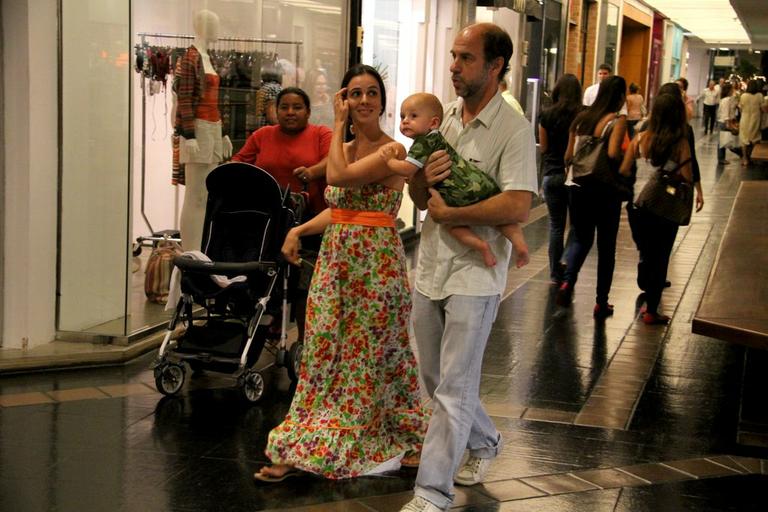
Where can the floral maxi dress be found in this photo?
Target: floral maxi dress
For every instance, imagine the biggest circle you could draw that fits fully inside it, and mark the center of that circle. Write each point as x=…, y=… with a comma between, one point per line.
x=357, y=402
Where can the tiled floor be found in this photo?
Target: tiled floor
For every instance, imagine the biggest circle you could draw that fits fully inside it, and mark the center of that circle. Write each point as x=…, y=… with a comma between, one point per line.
x=597, y=416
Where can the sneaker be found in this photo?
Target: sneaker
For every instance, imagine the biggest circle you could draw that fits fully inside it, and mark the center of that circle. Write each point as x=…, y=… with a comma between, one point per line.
x=419, y=504
x=473, y=471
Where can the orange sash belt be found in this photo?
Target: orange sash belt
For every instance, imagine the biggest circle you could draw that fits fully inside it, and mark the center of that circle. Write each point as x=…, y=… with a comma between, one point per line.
x=362, y=218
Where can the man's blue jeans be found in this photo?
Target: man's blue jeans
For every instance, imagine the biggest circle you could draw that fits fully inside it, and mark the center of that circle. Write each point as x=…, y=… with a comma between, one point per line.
x=451, y=335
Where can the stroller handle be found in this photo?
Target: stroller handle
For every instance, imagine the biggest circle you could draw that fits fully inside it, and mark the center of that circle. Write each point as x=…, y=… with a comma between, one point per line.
x=188, y=264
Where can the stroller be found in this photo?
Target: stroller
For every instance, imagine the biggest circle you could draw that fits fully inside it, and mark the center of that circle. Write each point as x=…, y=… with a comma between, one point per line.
x=246, y=219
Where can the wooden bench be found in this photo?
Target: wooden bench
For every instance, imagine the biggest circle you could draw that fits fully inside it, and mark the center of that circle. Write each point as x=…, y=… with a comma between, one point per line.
x=760, y=152
x=734, y=306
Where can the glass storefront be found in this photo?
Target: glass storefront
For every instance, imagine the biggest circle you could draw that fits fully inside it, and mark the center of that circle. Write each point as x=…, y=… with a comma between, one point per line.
x=609, y=34
x=95, y=163
x=117, y=61
x=385, y=43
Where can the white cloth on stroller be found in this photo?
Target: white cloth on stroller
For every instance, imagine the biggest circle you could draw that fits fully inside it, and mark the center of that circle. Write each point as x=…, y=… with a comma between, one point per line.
x=175, y=286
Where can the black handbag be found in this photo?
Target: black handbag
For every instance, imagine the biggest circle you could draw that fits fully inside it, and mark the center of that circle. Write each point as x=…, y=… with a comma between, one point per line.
x=590, y=162
x=668, y=195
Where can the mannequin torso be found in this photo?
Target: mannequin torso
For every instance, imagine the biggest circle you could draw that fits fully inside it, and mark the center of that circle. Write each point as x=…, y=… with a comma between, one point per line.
x=198, y=123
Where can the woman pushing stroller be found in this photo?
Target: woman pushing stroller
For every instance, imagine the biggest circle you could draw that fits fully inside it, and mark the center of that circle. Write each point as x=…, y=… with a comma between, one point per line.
x=295, y=153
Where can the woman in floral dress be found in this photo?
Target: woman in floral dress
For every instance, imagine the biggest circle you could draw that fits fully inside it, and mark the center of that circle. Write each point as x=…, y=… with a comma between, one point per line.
x=357, y=408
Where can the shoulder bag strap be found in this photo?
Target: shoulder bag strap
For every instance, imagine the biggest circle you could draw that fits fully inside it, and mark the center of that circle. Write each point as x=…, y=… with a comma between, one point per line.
x=676, y=168
x=607, y=127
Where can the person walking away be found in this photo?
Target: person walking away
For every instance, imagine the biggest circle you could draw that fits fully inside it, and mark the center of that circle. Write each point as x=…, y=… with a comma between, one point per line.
x=554, y=126
x=751, y=107
x=635, y=108
x=596, y=206
x=727, y=123
x=682, y=83
x=664, y=144
x=457, y=296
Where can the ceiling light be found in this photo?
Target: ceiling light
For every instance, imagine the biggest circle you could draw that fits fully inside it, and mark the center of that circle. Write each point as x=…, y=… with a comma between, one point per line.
x=713, y=21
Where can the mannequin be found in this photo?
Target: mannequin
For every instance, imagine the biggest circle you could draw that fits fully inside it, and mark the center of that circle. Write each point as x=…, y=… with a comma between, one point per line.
x=198, y=122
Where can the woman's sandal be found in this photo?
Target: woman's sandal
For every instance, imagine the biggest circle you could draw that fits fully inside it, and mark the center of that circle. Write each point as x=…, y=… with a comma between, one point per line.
x=275, y=479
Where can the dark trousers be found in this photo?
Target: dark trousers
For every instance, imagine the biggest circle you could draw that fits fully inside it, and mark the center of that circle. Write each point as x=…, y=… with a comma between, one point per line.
x=631, y=128
x=710, y=115
x=556, y=196
x=654, y=237
x=594, y=209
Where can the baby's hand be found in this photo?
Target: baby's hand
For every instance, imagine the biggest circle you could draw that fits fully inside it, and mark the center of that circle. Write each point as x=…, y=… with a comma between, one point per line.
x=388, y=151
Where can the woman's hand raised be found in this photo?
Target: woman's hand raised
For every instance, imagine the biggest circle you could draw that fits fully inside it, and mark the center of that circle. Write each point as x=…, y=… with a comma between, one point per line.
x=341, y=105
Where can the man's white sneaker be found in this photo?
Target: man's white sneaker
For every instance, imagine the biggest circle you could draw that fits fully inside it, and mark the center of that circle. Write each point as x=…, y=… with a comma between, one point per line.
x=419, y=504
x=472, y=471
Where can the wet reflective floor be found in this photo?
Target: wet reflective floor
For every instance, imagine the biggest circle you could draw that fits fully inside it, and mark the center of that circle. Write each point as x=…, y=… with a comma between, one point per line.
x=596, y=416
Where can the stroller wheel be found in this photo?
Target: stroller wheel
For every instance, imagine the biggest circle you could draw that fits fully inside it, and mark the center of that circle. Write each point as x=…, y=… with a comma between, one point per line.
x=294, y=360
x=253, y=386
x=169, y=378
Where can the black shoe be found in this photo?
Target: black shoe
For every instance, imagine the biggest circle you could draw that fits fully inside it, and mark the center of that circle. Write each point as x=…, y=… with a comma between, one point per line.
x=602, y=311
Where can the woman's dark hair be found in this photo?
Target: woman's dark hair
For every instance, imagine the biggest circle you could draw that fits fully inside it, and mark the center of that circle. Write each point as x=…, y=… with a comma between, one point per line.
x=566, y=102
x=671, y=88
x=633, y=88
x=668, y=125
x=293, y=90
x=364, y=69
x=725, y=90
x=753, y=87
x=567, y=91
x=610, y=98
x=683, y=82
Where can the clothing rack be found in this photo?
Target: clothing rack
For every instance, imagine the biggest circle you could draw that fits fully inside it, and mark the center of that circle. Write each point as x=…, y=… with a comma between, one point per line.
x=158, y=35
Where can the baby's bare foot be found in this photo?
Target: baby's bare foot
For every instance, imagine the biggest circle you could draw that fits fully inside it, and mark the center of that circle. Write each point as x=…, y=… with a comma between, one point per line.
x=488, y=257
x=522, y=259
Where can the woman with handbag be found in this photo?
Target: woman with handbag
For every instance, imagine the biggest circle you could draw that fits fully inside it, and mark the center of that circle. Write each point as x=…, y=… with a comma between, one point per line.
x=595, y=204
x=666, y=201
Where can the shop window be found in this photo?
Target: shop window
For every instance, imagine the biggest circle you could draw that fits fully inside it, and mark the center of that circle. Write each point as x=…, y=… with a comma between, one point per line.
x=609, y=35
x=118, y=184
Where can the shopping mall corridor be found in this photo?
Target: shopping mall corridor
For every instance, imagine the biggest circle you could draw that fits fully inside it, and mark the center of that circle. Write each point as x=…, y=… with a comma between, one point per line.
x=596, y=416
